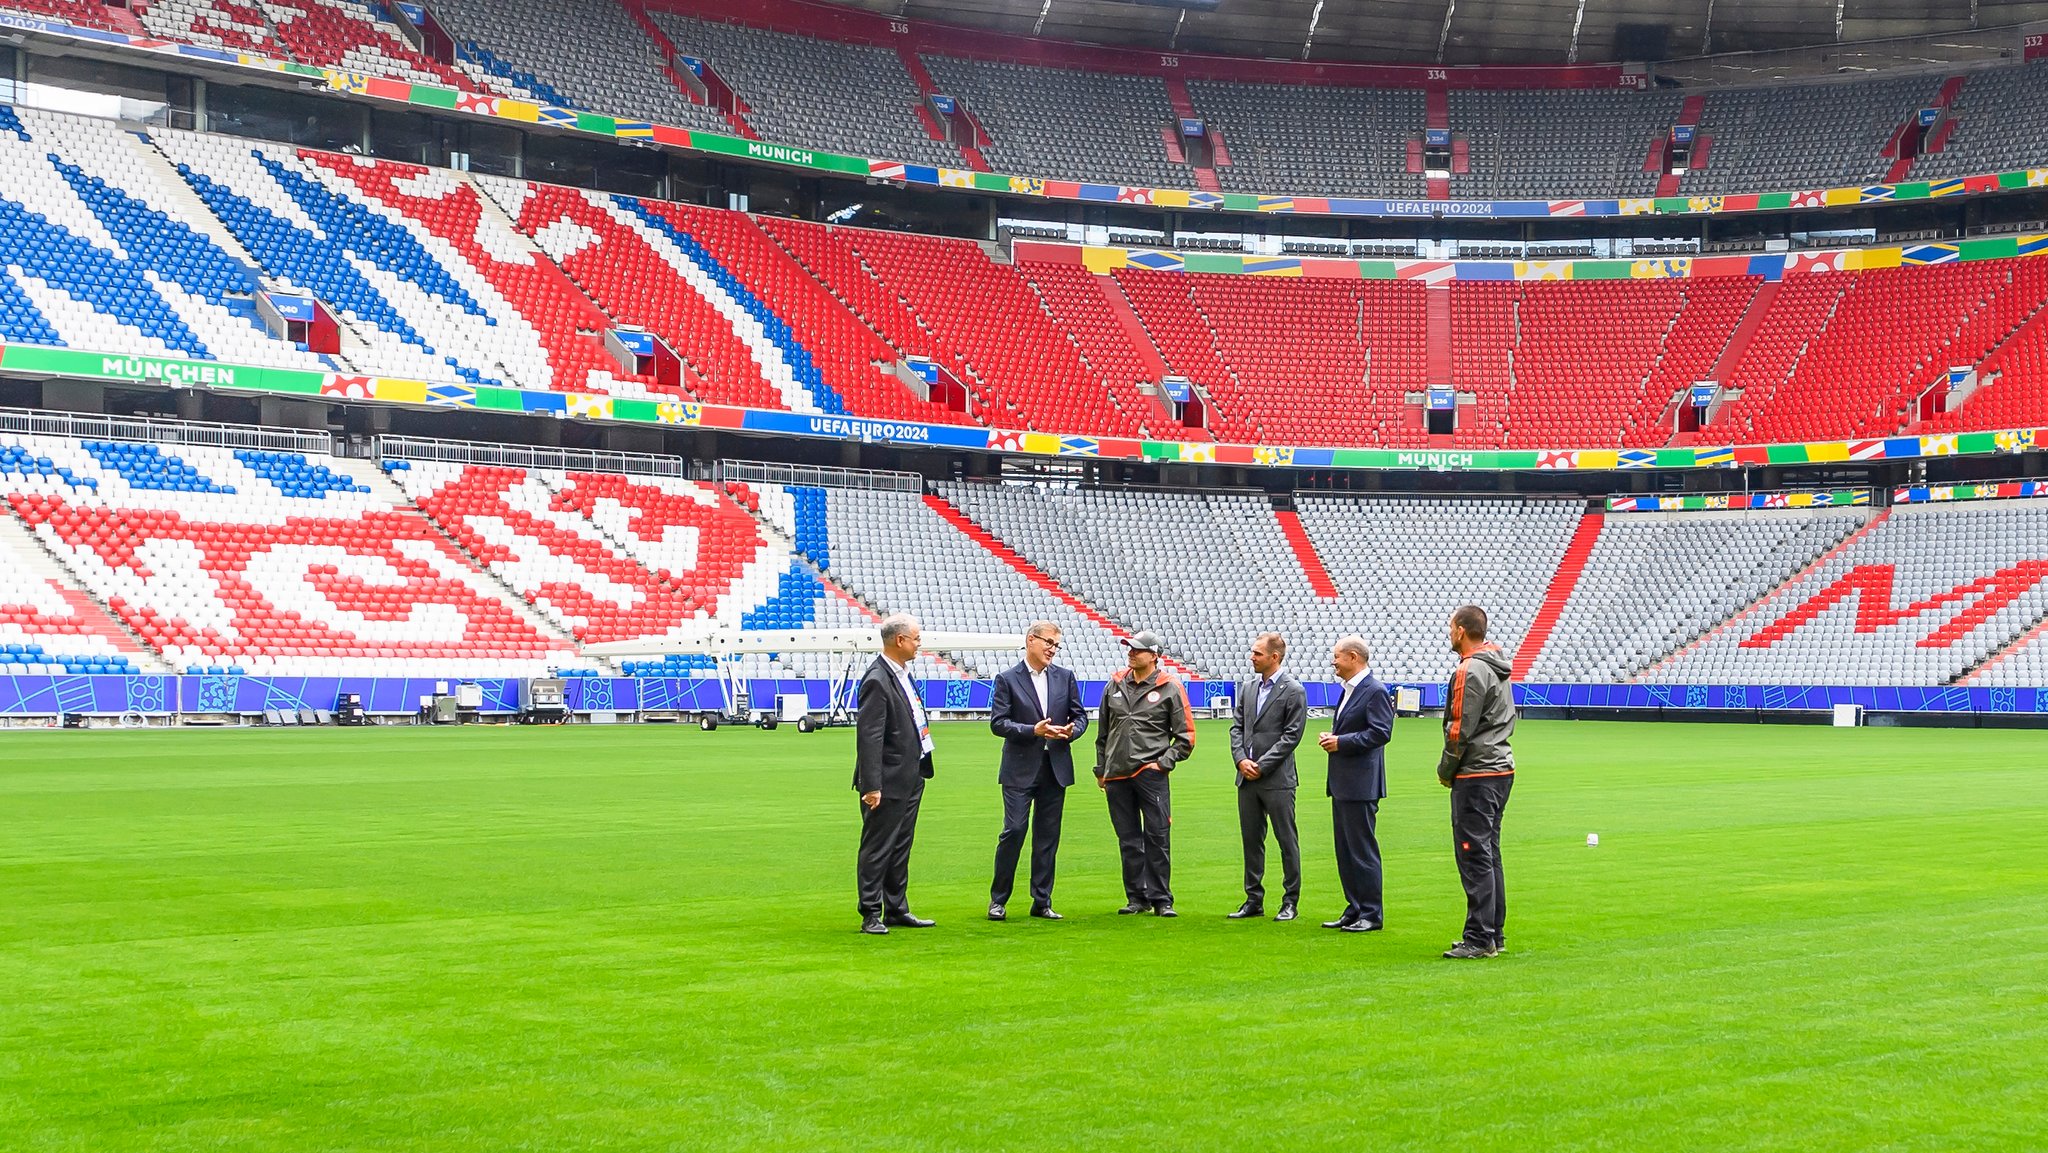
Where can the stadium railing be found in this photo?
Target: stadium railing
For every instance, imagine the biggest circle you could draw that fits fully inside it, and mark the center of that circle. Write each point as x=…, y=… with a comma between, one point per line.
x=763, y=472
x=159, y=431
x=523, y=456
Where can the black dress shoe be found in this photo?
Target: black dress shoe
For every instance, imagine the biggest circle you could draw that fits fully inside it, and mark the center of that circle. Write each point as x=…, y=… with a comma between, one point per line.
x=874, y=926
x=1286, y=913
x=1342, y=922
x=1133, y=907
x=1246, y=911
x=997, y=913
x=1362, y=926
x=1164, y=909
x=1045, y=913
x=908, y=921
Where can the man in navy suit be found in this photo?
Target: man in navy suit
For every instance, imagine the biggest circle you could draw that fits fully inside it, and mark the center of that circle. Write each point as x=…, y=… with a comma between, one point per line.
x=1359, y=732
x=1036, y=708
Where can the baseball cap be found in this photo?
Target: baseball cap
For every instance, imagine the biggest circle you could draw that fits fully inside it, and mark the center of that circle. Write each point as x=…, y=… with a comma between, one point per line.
x=1145, y=639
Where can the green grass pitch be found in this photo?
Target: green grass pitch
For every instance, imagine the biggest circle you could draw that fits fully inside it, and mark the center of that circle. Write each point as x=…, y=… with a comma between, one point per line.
x=644, y=938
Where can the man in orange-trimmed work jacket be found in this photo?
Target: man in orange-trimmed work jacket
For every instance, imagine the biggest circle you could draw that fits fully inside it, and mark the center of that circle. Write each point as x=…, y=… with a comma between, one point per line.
x=1478, y=767
x=1145, y=729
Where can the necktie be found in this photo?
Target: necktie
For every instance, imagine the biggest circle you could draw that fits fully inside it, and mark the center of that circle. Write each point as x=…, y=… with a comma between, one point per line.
x=1259, y=706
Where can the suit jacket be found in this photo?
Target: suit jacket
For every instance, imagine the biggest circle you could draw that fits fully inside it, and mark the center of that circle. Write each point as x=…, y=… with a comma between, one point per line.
x=1270, y=737
x=1358, y=767
x=1014, y=713
x=889, y=756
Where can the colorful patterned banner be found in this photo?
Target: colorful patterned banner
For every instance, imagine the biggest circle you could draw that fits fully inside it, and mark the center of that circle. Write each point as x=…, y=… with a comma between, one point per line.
x=80, y=364
x=1699, y=502
x=1771, y=266
x=1992, y=490
x=898, y=172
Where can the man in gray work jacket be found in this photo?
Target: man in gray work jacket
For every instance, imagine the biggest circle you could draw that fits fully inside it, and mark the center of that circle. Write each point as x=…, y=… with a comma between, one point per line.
x=1271, y=712
x=1144, y=730
x=1478, y=767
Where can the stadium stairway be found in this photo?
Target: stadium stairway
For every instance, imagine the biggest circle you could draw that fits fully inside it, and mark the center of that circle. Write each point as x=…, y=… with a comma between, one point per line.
x=1562, y=583
x=1745, y=330
x=847, y=355
x=872, y=614
x=1438, y=317
x=1902, y=164
x=1184, y=109
x=637, y=12
x=2029, y=637
x=381, y=486
x=547, y=333
x=1011, y=557
x=1305, y=553
x=2006, y=395
x=29, y=561
x=1688, y=116
x=1761, y=602
x=413, y=317
x=1437, y=113
x=177, y=197
x=927, y=87
x=642, y=276
x=783, y=360
x=1134, y=328
x=96, y=264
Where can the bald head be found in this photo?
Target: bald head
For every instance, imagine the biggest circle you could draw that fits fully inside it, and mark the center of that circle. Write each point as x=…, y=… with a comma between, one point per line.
x=1349, y=656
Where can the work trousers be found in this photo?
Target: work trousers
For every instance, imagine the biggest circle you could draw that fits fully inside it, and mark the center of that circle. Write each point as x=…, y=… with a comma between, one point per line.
x=1476, y=807
x=1141, y=811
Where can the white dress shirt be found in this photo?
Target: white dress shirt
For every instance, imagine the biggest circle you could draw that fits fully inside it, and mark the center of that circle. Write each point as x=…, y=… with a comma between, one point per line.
x=1038, y=684
x=1350, y=685
x=924, y=730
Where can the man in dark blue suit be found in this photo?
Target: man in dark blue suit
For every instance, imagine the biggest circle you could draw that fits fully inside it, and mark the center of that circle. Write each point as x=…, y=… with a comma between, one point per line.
x=1036, y=708
x=1359, y=732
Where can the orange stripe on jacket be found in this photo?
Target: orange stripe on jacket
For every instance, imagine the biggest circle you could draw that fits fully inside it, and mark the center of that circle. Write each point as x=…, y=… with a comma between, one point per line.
x=1452, y=735
x=1187, y=713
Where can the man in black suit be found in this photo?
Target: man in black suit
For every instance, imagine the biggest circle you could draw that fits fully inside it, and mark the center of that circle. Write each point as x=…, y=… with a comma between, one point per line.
x=1271, y=711
x=1359, y=732
x=1036, y=708
x=892, y=760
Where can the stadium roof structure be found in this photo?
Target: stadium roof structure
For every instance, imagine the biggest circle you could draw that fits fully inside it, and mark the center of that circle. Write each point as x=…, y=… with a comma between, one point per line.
x=1472, y=31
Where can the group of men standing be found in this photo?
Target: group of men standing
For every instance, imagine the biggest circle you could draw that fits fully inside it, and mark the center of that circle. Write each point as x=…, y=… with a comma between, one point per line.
x=1145, y=728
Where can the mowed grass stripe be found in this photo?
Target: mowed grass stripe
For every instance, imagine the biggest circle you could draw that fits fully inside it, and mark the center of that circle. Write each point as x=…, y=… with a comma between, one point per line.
x=642, y=939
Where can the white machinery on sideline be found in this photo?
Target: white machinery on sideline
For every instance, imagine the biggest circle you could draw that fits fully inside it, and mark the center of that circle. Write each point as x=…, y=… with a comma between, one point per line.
x=726, y=644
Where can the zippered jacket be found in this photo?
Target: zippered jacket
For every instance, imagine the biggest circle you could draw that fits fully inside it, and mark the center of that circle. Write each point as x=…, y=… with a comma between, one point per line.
x=1479, y=717
x=1142, y=722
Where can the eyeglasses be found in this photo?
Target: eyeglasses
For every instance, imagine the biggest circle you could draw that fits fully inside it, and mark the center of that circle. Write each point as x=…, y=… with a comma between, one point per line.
x=1048, y=642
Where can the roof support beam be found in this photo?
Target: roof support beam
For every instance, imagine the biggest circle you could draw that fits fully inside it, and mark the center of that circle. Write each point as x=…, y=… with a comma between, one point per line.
x=1443, y=37
x=1047, y=7
x=1314, y=18
x=1571, y=55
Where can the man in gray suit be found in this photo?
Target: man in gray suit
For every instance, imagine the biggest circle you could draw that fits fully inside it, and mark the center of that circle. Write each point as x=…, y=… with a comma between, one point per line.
x=1272, y=711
